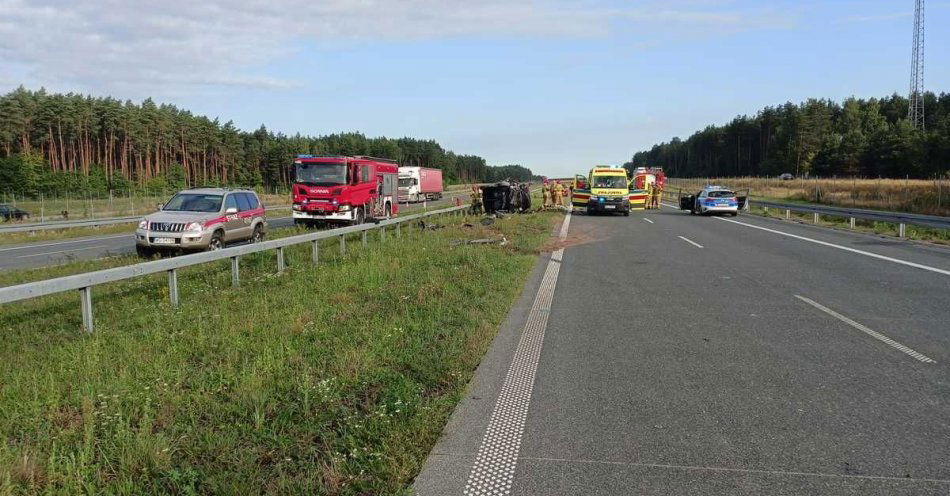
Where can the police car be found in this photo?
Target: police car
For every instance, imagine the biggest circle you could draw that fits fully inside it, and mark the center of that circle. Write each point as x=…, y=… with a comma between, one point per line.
x=712, y=200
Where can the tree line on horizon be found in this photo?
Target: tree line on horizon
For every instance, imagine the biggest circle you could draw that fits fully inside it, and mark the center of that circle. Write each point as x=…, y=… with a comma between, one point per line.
x=51, y=143
x=818, y=137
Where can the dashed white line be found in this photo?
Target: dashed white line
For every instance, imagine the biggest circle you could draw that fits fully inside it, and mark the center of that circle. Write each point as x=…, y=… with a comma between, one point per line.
x=697, y=245
x=874, y=334
x=648, y=220
x=845, y=248
x=494, y=468
x=60, y=251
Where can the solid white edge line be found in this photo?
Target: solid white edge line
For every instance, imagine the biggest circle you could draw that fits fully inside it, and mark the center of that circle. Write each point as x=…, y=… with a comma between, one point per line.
x=845, y=248
x=874, y=334
x=697, y=245
x=648, y=220
x=493, y=469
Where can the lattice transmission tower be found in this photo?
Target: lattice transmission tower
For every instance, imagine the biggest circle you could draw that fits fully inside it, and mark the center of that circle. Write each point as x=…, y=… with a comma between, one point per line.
x=915, y=111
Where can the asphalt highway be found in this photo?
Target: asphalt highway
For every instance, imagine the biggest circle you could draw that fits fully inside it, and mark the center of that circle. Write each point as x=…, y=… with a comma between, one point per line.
x=715, y=356
x=29, y=255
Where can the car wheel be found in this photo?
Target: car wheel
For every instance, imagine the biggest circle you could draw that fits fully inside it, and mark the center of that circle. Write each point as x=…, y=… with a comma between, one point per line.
x=626, y=213
x=258, y=235
x=734, y=214
x=217, y=242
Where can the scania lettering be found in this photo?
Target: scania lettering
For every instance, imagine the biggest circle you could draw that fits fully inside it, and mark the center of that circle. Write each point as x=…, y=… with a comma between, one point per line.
x=344, y=190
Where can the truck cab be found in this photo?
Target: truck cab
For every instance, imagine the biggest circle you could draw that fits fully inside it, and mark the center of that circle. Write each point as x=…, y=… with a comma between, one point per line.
x=344, y=190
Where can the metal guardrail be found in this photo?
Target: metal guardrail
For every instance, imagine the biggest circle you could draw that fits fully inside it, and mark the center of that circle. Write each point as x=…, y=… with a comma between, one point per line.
x=64, y=224
x=899, y=218
x=84, y=282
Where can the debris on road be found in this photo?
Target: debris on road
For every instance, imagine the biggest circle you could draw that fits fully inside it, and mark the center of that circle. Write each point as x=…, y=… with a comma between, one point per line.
x=425, y=226
x=502, y=241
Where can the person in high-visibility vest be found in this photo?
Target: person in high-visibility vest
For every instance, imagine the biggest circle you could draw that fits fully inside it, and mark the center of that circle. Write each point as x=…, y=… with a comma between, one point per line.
x=558, y=192
x=655, y=195
x=476, y=196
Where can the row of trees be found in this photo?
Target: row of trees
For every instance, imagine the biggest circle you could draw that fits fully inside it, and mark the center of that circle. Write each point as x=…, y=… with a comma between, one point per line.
x=869, y=138
x=53, y=141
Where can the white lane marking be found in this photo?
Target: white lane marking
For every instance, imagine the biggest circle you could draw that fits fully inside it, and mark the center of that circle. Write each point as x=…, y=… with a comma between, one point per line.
x=648, y=220
x=60, y=251
x=697, y=245
x=76, y=241
x=874, y=334
x=494, y=468
x=840, y=247
x=737, y=470
x=668, y=205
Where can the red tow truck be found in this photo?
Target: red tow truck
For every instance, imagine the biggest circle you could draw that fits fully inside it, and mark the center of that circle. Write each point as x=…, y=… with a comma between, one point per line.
x=344, y=190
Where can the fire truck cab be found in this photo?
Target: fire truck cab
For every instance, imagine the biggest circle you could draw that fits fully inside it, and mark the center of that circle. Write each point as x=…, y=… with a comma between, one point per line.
x=345, y=190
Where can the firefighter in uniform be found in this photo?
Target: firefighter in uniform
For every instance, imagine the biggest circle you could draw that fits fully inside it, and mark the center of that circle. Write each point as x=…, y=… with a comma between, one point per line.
x=545, y=194
x=649, y=189
x=655, y=196
x=476, y=196
x=558, y=193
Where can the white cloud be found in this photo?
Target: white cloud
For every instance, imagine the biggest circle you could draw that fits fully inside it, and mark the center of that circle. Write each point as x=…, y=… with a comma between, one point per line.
x=138, y=47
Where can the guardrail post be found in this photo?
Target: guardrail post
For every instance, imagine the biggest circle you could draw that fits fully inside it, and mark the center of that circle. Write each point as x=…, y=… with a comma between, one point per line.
x=765, y=210
x=315, y=250
x=363, y=236
x=851, y=222
x=235, y=271
x=816, y=217
x=85, y=301
x=342, y=244
x=173, y=287
x=398, y=232
x=901, y=230
x=280, y=259
x=382, y=233
x=788, y=214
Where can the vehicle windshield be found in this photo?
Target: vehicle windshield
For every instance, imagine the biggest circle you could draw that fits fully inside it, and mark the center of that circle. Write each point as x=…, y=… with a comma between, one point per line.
x=612, y=182
x=321, y=174
x=405, y=182
x=194, y=202
x=722, y=193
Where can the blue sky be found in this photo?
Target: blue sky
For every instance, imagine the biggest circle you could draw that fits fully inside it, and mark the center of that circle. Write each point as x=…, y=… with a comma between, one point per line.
x=552, y=85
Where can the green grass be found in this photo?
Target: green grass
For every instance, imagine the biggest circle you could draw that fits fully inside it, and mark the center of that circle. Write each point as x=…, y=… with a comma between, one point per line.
x=328, y=379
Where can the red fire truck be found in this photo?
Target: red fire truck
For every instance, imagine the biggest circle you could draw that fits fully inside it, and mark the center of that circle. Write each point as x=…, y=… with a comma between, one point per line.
x=348, y=190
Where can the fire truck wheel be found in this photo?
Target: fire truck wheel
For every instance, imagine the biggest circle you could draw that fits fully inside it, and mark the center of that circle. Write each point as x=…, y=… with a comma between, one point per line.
x=360, y=216
x=389, y=210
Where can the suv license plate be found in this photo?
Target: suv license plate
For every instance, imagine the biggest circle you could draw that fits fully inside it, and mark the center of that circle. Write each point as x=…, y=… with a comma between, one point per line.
x=164, y=241
x=609, y=206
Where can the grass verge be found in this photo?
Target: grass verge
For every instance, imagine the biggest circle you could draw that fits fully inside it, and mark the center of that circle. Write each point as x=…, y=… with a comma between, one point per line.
x=334, y=378
x=916, y=233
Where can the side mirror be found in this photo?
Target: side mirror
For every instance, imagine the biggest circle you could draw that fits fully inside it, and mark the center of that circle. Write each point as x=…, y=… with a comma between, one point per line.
x=231, y=210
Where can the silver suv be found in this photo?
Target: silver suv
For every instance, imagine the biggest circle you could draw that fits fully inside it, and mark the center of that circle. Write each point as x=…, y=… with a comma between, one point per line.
x=202, y=219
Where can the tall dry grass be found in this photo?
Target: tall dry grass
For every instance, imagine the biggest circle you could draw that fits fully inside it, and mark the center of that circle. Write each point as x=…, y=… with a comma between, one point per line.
x=904, y=195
